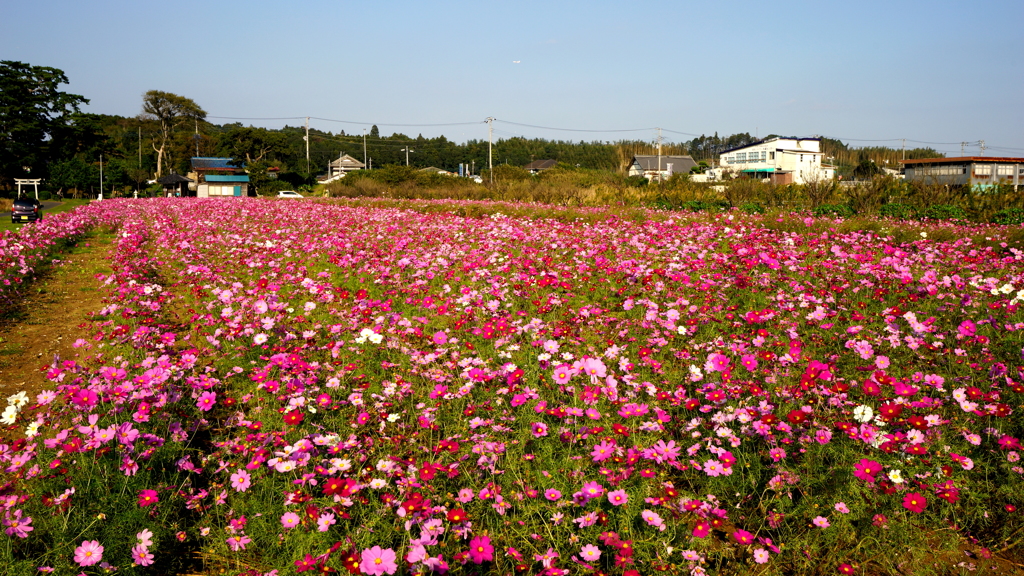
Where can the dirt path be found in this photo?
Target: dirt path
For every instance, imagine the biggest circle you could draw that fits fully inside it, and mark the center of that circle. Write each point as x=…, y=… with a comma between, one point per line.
x=52, y=315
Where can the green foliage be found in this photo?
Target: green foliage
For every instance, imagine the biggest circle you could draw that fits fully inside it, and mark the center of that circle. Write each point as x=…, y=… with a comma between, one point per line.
x=839, y=210
x=32, y=111
x=1009, y=216
x=942, y=212
x=752, y=208
x=73, y=173
x=506, y=173
x=637, y=181
x=898, y=211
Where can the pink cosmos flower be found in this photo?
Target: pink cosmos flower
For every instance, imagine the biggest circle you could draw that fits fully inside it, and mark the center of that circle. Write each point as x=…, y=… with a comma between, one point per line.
x=713, y=468
x=481, y=550
x=665, y=451
x=653, y=519
x=717, y=362
x=539, y=429
x=618, y=497
x=89, y=553
x=760, y=555
x=590, y=553
x=238, y=542
x=145, y=538
x=821, y=522
x=206, y=401
x=377, y=561
x=325, y=521
x=141, y=555
x=241, y=480
x=552, y=494
x=562, y=374
x=592, y=490
x=842, y=508
x=16, y=526
x=602, y=451
x=289, y=520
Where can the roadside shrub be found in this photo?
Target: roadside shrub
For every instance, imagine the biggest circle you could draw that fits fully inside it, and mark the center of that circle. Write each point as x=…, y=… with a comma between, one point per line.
x=636, y=181
x=1009, y=216
x=752, y=208
x=899, y=211
x=506, y=173
x=942, y=212
x=840, y=210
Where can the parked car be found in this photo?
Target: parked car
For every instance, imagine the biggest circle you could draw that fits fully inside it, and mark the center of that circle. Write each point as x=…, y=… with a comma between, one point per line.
x=288, y=194
x=26, y=210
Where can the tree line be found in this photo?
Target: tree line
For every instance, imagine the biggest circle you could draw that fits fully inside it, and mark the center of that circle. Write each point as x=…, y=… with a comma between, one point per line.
x=44, y=134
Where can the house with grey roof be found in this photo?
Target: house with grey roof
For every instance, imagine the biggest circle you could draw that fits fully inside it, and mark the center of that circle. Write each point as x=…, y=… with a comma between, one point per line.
x=660, y=167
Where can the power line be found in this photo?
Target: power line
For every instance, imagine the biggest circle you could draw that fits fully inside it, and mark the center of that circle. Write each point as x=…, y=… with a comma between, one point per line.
x=399, y=125
x=572, y=129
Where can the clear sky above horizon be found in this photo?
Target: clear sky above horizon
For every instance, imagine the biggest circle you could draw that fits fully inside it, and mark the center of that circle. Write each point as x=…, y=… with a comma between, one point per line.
x=869, y=73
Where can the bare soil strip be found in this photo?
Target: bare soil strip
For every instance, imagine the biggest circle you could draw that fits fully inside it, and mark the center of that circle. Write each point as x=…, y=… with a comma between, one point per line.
x=51, y=313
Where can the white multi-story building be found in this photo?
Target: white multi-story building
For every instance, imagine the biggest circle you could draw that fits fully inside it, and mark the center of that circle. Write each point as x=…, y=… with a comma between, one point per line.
x=781, y=160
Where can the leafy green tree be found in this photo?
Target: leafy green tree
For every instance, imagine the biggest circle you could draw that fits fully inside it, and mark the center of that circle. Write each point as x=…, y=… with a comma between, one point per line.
x=170, y=110
x=251, y=148
x=32, y=109
x=73, y=174
x=248, y=145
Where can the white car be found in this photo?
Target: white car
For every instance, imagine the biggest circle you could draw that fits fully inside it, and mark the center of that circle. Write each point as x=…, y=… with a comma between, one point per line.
x=288, y=194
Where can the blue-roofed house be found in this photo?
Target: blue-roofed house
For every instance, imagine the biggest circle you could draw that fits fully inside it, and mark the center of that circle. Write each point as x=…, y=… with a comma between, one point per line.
x=217, y=178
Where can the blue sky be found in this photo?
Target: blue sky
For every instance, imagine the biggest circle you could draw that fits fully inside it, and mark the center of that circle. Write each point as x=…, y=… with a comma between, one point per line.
x=937, y=71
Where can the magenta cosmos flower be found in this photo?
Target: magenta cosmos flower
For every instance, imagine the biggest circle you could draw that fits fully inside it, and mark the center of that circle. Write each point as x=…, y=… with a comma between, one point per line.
x=915, y=502
x=148, y=497
x=481, y=550
x=867, y=469
x=89, y=553
x=377, y=561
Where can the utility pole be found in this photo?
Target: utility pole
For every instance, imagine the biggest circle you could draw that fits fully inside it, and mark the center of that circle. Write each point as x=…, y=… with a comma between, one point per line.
x=406, y=150
x=962, y=146
x=981, y=144
x=490, y=139
x=307, y=146
x=904, y=148
x=364, y=147
x=659, y=155
x=196, y=138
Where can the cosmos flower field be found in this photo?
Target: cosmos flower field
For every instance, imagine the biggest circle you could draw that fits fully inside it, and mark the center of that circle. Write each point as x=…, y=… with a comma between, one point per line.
x=282, y=387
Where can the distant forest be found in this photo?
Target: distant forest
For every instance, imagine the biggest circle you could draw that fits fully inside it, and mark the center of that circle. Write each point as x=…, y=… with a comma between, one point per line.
x=125, y=144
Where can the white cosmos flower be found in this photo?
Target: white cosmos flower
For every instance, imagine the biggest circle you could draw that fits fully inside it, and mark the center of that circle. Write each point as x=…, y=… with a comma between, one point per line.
x=863, y=413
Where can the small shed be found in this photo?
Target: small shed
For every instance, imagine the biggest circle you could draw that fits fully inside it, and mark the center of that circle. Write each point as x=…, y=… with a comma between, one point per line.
x=538, y=166
x=175, y=185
